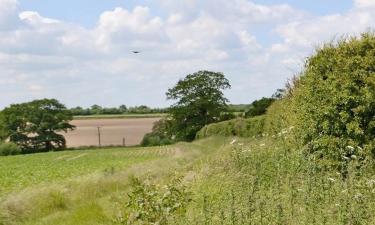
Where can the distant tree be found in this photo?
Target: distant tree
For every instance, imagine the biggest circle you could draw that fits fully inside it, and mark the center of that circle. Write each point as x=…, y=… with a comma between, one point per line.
x=96, y=109
x=33, y=125
x=259, y=107
x=200, y=101
x=123, y=108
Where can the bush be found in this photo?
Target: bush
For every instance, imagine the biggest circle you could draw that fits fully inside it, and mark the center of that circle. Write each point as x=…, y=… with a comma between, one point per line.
x=161, y=134
x=152, y=204
x=9, y=149
x=335, y=100
x=259, y=107
x=237, y=127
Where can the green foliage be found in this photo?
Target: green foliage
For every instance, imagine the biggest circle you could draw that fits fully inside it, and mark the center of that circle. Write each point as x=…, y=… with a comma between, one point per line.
x=151, y=204
x=259, y=107
x=33, y=125
x=262, y=181
x=236, y=127
x=122, y=109
x=9, y=148
x=335, y=100
x=162, y=134
x=200, y=101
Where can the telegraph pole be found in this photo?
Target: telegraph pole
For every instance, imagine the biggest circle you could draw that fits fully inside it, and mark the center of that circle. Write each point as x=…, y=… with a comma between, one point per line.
x=100, y=144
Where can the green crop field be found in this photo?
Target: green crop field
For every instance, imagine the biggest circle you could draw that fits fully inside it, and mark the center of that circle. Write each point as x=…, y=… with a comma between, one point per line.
x=229, y=180
x=18, y=172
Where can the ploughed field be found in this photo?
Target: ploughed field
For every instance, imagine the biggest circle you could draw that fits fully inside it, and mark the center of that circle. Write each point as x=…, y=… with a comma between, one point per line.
x=112, y=131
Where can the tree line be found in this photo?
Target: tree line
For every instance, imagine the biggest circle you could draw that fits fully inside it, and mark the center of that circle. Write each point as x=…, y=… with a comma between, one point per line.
x=122, y=109
x=36, y=126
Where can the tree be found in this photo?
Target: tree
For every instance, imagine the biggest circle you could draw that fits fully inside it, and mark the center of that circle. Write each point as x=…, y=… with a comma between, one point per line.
x=259, y=107
x=200, y=101
x=33, y=125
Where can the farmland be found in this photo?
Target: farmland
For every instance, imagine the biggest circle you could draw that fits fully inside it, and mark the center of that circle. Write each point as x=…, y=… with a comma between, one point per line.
x=80, y=187
x=19, y=172
x=112, y=131
x=230, y=181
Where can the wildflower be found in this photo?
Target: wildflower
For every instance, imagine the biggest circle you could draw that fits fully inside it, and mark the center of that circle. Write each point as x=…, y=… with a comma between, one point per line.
x=261, y=145
x=233, y=141
x=353, y=156
x=331, y=179
x=350, y=148
x=240, y=144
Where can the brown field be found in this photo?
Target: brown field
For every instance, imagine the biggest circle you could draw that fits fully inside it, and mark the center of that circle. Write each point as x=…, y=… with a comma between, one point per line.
x=112, y=131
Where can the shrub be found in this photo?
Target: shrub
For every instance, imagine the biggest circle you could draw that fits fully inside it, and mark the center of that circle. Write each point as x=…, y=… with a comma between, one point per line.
x=152, y=204
x=237, y=127
x=9, y=149
x=259, y=107
x=335, y=100
x=161, y=134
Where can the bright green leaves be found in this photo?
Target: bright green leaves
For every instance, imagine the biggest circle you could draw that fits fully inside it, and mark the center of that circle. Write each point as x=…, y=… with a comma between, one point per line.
x=200, y=101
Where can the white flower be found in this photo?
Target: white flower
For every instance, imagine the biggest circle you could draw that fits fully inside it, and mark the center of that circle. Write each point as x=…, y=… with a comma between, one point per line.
x=353, y=156
x=351, y=148
x=331, y=179
x=261, y=145
x=233, y=141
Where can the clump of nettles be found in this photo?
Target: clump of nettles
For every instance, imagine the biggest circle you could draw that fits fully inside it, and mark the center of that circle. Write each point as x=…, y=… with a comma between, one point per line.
x=152, y=204
x=334, y=101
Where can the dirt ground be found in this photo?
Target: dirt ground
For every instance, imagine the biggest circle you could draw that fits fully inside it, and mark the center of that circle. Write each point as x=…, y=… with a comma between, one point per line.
x=112, y=131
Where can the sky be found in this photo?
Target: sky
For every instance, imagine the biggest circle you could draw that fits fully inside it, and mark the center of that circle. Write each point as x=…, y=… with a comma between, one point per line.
x=80, y=52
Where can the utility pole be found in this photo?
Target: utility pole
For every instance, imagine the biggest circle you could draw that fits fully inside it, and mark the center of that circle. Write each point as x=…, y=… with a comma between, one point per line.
x=100, y=144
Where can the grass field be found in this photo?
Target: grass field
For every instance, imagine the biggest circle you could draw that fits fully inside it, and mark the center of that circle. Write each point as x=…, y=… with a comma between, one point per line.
x=229, y=180
x=19, y=172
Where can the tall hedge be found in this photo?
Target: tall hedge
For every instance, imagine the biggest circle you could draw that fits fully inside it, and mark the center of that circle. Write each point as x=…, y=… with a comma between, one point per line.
x=335, y=100
x=237, y=127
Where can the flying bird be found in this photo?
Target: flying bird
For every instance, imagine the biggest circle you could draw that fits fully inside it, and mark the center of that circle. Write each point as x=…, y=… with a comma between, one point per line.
x=136, y=52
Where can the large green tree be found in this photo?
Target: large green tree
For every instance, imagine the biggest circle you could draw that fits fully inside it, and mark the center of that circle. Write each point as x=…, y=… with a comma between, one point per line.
x=34, y=125
x=200, y=101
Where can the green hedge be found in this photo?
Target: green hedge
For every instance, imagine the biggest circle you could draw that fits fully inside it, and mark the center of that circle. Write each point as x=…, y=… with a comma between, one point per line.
x=335, y=100
x=236, y=127
x=9, y=148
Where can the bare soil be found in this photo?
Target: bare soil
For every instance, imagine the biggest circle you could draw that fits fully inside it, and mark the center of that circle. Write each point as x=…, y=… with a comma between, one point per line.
x=112, y=131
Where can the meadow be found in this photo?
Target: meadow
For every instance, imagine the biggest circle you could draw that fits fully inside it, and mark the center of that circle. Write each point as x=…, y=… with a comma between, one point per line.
x=229, y=180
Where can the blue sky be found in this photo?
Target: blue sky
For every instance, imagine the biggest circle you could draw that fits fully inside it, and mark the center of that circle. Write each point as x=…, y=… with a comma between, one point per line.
x=86, y=12
x=80, y=51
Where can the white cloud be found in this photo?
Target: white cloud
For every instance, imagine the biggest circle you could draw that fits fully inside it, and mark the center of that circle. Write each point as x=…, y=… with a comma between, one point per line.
x=8, y=14
x=257, y=46
x=364, y=3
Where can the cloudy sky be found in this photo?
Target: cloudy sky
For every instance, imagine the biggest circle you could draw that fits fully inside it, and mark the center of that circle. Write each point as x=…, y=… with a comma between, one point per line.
x=79, y=51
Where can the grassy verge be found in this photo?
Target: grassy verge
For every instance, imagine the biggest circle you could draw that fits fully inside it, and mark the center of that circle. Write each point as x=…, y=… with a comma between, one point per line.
x=122, y=116
x=230, y=181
